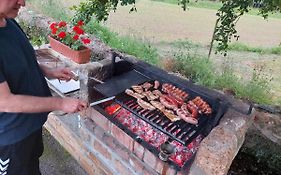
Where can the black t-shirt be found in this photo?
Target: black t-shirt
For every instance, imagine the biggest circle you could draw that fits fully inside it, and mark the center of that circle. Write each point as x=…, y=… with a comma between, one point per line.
x=19, y=68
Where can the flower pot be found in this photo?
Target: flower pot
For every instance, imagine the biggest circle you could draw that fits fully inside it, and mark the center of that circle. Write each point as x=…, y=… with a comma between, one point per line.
x=78, y=56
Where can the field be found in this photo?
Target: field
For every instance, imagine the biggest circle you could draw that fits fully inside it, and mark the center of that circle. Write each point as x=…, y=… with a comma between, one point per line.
x=169, y=28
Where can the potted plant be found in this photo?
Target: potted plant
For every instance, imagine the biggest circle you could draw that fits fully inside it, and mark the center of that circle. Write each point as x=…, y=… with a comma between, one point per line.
x=70, y=41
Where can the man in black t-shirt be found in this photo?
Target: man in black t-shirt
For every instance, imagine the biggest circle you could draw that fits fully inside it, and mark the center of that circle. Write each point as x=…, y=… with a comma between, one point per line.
x=25, y=99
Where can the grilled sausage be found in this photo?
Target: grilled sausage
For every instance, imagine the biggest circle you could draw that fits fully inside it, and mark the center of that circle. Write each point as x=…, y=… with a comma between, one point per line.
x=187, y=117
x=168, y=102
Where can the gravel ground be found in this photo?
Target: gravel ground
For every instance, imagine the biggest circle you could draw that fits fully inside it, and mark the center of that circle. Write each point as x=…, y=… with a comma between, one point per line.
x=56, y=160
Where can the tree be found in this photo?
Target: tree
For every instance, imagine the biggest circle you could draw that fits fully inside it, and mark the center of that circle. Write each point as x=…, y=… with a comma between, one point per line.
x=228, y=14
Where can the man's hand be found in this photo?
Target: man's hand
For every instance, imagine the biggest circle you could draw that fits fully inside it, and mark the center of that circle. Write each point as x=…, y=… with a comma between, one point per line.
x=62, y=74
x=72, y=105
x=59, y=73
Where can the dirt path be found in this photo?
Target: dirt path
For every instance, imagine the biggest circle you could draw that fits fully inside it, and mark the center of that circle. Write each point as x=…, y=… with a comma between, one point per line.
x=158, y=21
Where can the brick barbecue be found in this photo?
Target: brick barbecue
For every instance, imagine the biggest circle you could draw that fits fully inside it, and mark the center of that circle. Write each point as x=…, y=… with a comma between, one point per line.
x=121, y=137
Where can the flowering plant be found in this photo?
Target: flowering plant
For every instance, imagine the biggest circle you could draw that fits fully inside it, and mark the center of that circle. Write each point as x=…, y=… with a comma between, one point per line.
x=72, y=36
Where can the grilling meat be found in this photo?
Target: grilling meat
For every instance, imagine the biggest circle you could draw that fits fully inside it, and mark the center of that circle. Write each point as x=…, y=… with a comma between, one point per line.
x=133, y=94
x=150, y=96
x=158, y=105
x=138, y=89
x=174, y=91
x=202, y=106
x=187, y=117
x=170, y=115
x=168, y=102
x=192, y=108
x=157, y=93
x=145, y=105
x=146, y=86
x=156, y=84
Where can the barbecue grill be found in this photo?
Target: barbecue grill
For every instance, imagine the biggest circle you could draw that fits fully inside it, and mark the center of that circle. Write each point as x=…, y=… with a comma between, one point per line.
x=125, y=74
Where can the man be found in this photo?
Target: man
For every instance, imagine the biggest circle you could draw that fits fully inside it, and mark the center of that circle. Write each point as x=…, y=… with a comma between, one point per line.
x=25, y=99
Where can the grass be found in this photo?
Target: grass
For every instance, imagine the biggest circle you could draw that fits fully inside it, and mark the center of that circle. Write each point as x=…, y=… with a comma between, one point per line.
x=201, y=70
x=215, y=5
x=261, y=50
x=129, y=45
x=50, y=8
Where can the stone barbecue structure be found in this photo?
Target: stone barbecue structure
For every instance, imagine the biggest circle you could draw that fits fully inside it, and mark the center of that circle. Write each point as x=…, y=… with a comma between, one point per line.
x=102, y=146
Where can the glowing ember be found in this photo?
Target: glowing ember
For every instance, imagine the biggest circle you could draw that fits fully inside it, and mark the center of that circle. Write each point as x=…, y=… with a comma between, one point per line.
x=155, y=137
x=112, y=109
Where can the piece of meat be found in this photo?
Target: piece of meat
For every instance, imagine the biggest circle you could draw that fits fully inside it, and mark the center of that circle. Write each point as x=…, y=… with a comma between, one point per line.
x=187, y=117
x=192, y=108
x=133, y=94
x=156, y=84
x=150, y=96
x=158, y=105
x=145, y=105
x=174, y=91
x=170, y=115
x=157, y=93
x=146, y=86
x=138, y=89
x=168, y=102
x=202, y=106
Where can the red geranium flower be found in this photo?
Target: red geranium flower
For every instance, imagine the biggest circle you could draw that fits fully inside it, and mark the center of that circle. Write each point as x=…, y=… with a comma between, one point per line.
x=62, y=24
x=80, y=23
x=86, y=40
x=76, y=37
x=53, y=25
x=78, y=30
x=70, y=35
x=62, y=35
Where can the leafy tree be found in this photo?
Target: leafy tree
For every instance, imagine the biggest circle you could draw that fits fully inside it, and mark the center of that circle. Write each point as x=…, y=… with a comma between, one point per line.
x=228, y=14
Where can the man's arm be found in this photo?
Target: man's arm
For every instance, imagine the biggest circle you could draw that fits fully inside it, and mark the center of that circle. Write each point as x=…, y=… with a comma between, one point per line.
x=30, y=104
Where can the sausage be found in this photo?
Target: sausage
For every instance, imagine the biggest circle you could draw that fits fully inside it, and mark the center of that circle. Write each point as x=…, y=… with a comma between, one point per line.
x=187, y=117
x=174, y=91
x=168, y=102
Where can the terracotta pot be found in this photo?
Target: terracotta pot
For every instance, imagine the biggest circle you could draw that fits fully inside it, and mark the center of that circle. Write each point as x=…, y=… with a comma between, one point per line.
x=78, y=56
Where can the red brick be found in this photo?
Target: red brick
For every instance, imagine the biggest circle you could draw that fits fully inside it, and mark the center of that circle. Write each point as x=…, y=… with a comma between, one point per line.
x=121, y=168
x=136, y=164
x=100, y=147
x=85, y=134
x=99, y=132
x=100, y=120
x=122, y=137
x=109, y=141
x=97, y=164
x=149, y=158
x=122, y=152
x=159, y=165
x=138, y=150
